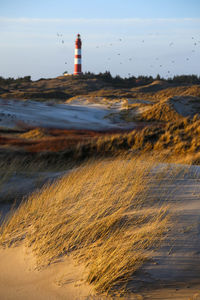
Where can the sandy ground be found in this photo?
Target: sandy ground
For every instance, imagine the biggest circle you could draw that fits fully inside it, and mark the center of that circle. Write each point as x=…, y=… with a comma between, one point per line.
x=172, y=273
x=20, y=185
x=66, y=116
x=20, y=281
x=174, y=270
x=186, y=105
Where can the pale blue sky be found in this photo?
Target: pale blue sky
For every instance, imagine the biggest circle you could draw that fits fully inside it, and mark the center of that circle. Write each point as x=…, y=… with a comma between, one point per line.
x=143, y=37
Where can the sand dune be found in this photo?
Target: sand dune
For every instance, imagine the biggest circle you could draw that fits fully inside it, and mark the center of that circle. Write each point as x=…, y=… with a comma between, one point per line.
x=20, y=281
x=170, y=109
x=172, y=273
x=186, y=105
x=67, y=116
x=21, y=185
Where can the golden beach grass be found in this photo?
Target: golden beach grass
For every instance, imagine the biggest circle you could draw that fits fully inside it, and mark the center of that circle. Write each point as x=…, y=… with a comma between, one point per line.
x=100, y=214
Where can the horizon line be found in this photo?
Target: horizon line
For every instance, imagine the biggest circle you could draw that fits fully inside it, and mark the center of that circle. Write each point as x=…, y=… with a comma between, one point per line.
x=89, y=20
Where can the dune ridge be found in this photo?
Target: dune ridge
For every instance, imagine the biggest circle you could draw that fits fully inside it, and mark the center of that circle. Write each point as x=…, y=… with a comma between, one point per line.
x=90, y=210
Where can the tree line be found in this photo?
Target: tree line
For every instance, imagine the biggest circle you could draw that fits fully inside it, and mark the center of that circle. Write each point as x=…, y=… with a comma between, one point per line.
x=114, y=80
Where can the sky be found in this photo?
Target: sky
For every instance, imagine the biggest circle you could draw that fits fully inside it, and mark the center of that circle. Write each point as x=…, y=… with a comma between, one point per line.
x=125, y=37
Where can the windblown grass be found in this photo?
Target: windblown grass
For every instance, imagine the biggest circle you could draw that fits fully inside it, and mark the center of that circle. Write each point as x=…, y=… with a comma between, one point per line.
x=100, y=213
x=20, y=176
x=161, y=111
x=179, y=137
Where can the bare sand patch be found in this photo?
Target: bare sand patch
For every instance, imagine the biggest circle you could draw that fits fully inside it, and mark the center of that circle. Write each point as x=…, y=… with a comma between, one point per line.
x=20, y=280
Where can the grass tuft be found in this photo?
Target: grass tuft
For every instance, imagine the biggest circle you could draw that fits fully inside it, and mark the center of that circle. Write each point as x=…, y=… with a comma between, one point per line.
x=100, y=213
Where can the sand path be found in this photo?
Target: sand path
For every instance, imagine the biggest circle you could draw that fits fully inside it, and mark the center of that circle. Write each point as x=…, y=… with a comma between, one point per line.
x=174, y=270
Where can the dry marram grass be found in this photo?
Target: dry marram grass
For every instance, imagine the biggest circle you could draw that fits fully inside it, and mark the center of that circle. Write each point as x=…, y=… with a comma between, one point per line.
x=96, y=214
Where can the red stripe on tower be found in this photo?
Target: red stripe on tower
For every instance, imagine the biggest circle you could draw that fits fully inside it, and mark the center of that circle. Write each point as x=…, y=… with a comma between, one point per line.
x=77, y=59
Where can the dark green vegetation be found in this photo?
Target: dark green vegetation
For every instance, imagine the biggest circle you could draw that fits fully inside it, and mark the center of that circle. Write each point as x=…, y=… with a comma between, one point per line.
x=103, y=84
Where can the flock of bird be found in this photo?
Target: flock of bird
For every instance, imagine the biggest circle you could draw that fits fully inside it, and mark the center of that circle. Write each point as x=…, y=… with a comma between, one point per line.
x=171, y=44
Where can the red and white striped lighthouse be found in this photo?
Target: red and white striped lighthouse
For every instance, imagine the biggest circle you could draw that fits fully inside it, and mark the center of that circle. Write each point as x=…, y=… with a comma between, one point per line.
x=77, y=59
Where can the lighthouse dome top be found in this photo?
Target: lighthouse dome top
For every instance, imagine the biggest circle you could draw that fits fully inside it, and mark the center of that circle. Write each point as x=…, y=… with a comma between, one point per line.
x=78, y=35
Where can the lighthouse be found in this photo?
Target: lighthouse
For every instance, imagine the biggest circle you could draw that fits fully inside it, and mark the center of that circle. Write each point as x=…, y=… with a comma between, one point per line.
x=77, y=58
